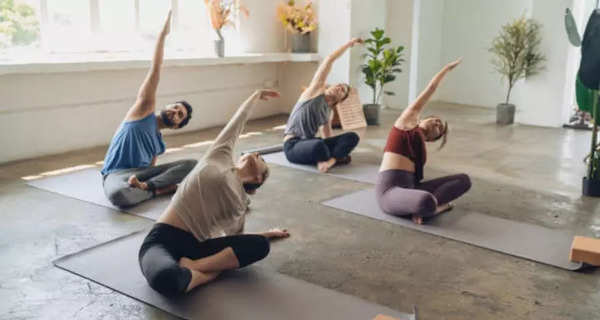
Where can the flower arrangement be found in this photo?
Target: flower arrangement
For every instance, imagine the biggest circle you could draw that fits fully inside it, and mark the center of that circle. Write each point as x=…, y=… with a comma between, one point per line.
x=222, y=13
x=297, y=19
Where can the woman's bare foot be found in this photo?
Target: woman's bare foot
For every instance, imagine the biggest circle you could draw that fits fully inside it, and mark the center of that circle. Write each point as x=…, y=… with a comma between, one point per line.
x=134, y=182
x=417, y=219
x=444, y=208
x=326, y=165
x=343, y=161
x=186, y=262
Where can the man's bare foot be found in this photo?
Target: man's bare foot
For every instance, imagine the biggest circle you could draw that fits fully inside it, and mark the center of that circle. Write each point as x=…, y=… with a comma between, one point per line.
x=326, y=165
x=444, y=208
x=166, y=190
x=134, y=182
x=417, y=219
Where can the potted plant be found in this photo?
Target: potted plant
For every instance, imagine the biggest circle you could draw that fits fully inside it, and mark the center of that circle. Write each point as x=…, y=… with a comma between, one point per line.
x=223, y=13
x=587, y=90
x=516, y=55
x=380, y=68
x=300, y=21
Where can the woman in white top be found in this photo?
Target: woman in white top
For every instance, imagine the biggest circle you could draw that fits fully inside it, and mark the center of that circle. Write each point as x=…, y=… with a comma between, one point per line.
x=200, y=233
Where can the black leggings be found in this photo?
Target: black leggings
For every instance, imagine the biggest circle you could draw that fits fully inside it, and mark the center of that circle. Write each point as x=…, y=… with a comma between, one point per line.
x=163, y=247
x=311, y=151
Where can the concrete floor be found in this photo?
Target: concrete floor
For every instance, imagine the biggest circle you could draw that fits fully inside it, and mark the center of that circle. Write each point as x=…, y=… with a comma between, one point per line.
x=522, y=173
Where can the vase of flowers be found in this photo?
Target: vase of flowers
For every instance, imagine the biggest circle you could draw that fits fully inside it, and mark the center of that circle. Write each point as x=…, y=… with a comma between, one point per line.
x=300, y=22
x=223, y=13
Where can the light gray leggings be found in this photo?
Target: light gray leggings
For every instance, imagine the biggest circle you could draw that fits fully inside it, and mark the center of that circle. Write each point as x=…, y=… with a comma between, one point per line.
x=121, y=194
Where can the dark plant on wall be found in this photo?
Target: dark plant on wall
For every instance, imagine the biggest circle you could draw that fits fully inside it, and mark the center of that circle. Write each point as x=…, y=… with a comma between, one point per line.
x=516, y=51
x=381, y=64
x=587, y=89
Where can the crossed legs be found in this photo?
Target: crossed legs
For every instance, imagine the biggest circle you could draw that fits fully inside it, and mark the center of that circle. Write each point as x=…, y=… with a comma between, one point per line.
x=397, y=195
x=174, y=262
x=323, y=152
x=126, y=188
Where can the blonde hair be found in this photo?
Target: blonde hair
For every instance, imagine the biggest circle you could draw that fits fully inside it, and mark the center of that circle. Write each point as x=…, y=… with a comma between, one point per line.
x=444, y=135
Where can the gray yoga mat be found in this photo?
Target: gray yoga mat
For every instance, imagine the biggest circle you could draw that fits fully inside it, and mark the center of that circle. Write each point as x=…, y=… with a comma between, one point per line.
x=86, y=185
x=265, y=150
x=357, y=170
x=544, y=245
x=249, y=293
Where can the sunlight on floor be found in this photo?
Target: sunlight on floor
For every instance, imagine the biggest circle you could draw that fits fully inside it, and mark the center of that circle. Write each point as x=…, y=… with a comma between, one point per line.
x=100, y=163
x=59, y=171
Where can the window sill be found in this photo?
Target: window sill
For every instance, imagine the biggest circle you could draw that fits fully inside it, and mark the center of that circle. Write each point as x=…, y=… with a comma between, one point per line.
x=106, y=62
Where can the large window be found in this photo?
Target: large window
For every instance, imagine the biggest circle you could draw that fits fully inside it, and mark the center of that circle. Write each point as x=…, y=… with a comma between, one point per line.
x=19, y=27
x=56, y=29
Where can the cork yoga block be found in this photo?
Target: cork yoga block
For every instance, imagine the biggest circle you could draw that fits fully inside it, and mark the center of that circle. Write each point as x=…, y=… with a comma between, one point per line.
x=585, y=250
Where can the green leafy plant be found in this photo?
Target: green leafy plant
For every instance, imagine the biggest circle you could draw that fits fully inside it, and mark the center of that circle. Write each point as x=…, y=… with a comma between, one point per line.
x=381, y=64
x=593, y=158
x=516, y=51
x=18, y=24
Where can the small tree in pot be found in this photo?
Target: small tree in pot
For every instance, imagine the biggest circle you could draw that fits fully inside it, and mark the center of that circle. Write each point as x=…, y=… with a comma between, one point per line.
x=380, y=68
x=516, y=56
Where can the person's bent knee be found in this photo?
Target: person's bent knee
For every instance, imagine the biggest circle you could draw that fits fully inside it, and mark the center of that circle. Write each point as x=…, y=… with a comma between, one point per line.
x=255, y=248
x=120, y=199
x=190, y=163
x=320, y=152
x=465, y=181
x=171, y=281
x=352, y=138
x=426, y=207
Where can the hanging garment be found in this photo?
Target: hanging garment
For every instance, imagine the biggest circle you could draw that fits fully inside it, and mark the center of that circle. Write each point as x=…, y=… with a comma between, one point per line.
x=589, y=69
x=585, y=96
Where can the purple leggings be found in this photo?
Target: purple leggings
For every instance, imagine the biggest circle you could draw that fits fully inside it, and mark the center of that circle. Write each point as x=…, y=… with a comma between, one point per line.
x=398, y=195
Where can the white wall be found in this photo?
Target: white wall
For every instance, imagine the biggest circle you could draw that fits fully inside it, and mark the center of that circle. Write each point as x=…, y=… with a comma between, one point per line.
x=58, y=112
x=261, y=31
x=546, y=97
x=366, y=16
x=49, y=113
x=334, y=31
x=468, y=29
x=399, y=20
x=427, y=42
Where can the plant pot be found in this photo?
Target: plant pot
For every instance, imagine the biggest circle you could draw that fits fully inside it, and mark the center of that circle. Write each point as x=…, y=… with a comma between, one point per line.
x=301, y=42
x=505, y=113
x=220, y=48
x=591, y=187
x=372, y=113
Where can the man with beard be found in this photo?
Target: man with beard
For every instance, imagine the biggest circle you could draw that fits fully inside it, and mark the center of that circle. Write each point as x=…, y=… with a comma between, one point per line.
x=129, y=173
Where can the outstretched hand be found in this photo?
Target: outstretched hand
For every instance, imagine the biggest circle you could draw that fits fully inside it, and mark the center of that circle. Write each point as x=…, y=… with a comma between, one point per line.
x=453, y=64
x=276, y=233
x=266, y=94
x=167, y=27
x=354, y=41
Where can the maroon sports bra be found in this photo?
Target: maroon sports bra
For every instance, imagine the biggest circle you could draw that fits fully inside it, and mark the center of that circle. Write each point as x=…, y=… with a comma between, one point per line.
x=411, y=144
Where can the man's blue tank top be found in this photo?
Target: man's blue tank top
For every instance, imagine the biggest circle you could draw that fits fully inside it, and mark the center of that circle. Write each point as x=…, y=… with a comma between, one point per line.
x=134, y=145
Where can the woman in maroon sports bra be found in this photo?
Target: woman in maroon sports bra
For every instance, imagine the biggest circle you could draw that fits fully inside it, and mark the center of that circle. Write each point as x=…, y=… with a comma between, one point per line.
x=399, y=190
